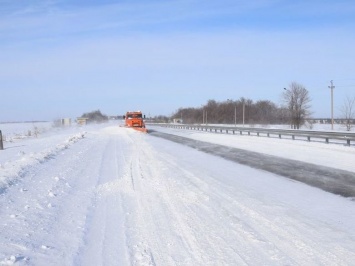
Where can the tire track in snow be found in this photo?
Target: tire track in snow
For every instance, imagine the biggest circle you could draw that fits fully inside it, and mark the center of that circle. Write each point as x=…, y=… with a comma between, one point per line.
x=137, y=239
x=152, y=238
x=106, y=235
x=167, y=223
x=208, y=234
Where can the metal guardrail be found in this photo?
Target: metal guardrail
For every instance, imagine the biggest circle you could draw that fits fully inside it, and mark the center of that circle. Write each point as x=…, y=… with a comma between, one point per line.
x=347, y=137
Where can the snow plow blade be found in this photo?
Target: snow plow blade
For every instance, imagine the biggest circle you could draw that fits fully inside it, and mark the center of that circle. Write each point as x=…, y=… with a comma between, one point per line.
x=141, y=129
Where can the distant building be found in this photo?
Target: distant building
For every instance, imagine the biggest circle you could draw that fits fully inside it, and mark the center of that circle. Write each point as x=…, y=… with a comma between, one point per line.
x=177, y=121
x=62, y=122
x=81, y=121
x=66, y=121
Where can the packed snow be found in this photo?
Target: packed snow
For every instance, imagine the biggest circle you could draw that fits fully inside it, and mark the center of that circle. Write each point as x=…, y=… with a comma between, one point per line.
x=108, y=195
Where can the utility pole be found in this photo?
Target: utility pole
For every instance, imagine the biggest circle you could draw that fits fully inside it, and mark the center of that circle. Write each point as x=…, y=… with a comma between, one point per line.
x=204, y=117
x=331, y=92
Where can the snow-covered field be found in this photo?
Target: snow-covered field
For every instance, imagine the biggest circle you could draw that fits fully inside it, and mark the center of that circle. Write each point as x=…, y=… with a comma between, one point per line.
x=108, y=195
x=13, y=131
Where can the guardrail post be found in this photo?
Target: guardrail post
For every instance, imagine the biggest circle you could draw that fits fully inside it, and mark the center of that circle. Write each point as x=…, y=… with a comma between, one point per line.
x=327, y=140
x=348, y=142
x=1, y=143
x=309, y=138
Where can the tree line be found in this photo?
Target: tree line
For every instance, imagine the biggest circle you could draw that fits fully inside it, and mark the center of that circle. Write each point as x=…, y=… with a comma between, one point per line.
x=295, y=109
x=234, y=112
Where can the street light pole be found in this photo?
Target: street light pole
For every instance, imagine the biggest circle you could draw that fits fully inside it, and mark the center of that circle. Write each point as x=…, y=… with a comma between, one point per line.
x=331, y=93
x=291, y=108
x=204, y=117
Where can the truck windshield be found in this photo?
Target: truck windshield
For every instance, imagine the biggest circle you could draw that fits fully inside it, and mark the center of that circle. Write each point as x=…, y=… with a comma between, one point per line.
x=134, y=116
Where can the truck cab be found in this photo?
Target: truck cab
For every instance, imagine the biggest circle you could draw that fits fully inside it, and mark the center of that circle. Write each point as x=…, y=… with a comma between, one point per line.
x=134, y=119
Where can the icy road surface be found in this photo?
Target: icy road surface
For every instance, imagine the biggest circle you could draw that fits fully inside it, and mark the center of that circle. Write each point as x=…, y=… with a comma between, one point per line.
x=114, y=196
x=330, y=179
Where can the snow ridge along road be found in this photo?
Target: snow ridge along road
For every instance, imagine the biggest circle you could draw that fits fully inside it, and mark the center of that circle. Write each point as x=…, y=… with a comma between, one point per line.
x=120, y=197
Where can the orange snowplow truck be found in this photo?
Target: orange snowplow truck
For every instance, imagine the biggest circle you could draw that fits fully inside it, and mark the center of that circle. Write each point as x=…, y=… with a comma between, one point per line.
x=135, y=121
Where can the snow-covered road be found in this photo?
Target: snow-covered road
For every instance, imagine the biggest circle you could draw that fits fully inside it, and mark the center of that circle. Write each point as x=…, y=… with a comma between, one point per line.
x=114, y=196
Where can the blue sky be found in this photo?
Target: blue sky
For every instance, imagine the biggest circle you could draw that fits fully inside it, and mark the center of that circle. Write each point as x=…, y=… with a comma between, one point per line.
x=64, y=58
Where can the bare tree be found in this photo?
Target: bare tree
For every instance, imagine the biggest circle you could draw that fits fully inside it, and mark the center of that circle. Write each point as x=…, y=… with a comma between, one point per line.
x=265, y=112
x=298, y=102
x=348, y=111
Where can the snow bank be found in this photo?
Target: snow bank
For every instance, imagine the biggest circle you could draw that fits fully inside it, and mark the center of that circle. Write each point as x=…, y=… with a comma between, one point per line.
x=15, y=131
x=12, y=170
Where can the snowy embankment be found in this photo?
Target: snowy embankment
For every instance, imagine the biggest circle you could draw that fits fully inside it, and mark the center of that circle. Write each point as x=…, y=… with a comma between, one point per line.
x=119, y=197
x=15, y=131
x=13, y=170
